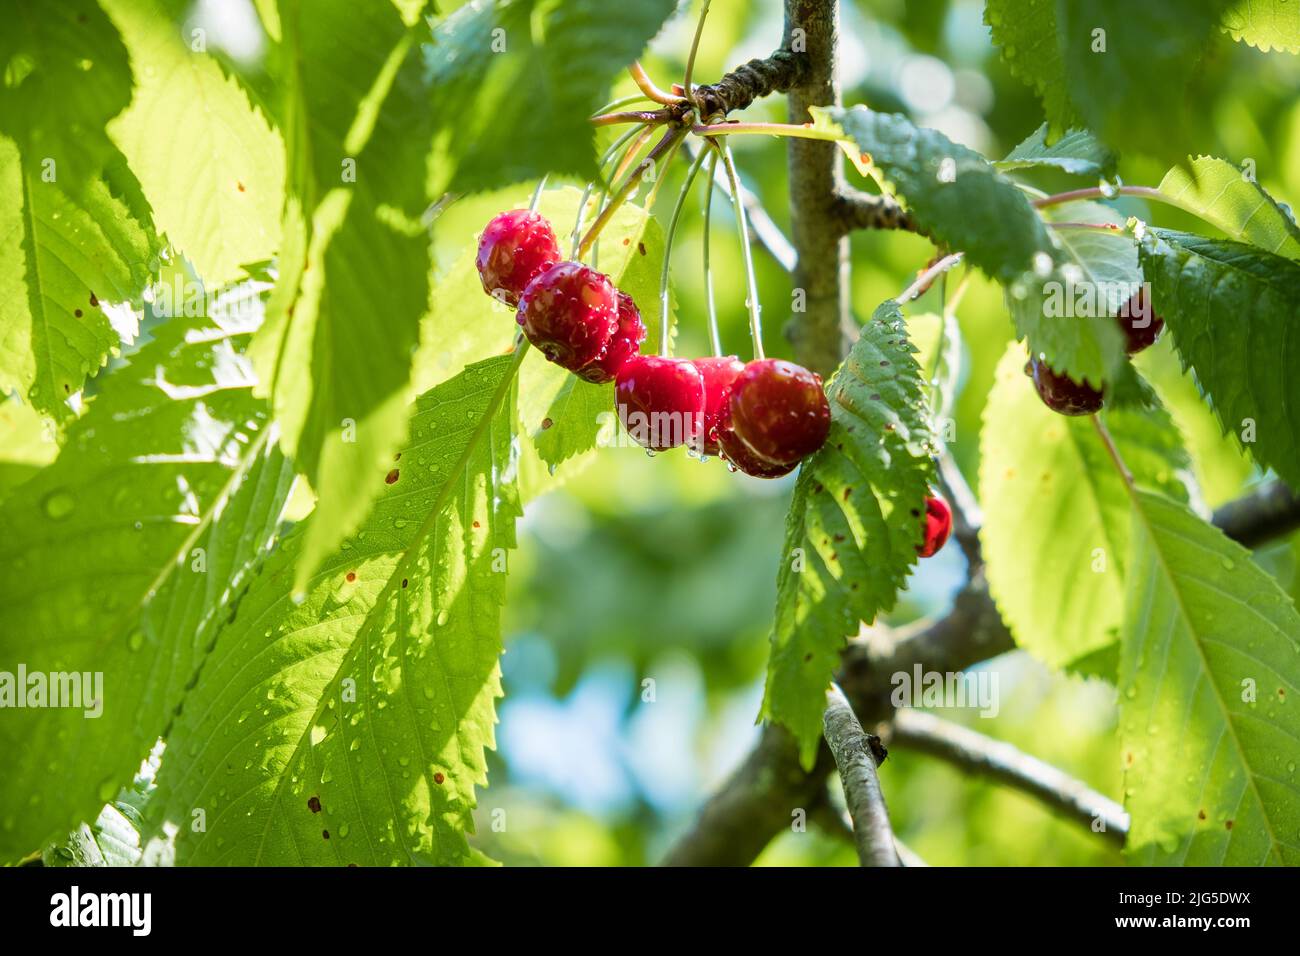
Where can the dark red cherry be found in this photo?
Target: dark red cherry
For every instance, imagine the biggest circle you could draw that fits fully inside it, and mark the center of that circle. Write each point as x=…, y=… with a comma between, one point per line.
x=625, y=343
x=779, y=410
x=514, y=249
x=736, y=453
x=1061, y=393
x=718, y=375
x=1139, y=321
x=570, y=312
x=660, y=401
x=938, y=525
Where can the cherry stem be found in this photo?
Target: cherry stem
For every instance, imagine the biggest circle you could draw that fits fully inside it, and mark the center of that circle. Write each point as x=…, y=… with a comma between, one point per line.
x=586, y=192
x=927, y=277
x=647, y=86
x=1112, y=450
x=670, y=138
x=1097, y=192
x=947, y=361
x=1096, y=226
x=767, y=129
x=621, y=101
x=654, y=117
x=690, y=59
x=659, y=179
x=668, y=248
x=537, y=194
x=629, y=155
x=715, y=338
x=755, y=326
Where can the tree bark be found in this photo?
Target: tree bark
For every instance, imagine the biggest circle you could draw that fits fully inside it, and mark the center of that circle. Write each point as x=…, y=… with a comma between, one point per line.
x=821, y=333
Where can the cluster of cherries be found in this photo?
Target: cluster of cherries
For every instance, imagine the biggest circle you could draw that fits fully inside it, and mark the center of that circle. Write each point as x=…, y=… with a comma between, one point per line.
x=1060, y=393
x=763, y=417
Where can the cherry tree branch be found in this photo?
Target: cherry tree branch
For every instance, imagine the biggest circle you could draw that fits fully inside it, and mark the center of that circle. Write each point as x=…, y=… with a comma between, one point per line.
x=855, y=209
x=857, y=754
x=821, y=334
x=758, y=799
x=976, y=753
x=971, y=632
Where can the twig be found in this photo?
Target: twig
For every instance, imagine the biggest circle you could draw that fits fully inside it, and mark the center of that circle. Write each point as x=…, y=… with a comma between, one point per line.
x=822, y=333
x=855, y=209
x=854, y=752
x=906, y=855
x=755, y=802
x=977, y=753
x=837, y=823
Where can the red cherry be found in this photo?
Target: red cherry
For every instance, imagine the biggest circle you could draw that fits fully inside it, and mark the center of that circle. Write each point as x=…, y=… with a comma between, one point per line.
x=718, y=375
x=570, y=313
x=1061, y=393
x=660, y=401
x=738, y=454
x=779, y=410
x=625, y=343
x=938, y=525
x=514, y=249
x=1140, y=323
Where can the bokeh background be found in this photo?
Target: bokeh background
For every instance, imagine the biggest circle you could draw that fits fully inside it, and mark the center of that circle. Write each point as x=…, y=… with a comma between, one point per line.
x=634, y=570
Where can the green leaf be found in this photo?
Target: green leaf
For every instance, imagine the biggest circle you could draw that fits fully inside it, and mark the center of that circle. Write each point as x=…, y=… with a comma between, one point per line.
x=123, y=557
x=1135, y=91
x=954, y=193
x=216, y=179
x=70, y=216
x=1231, y=309
x=1056, y=513
x=1222, y=194
x=1208, y=685
x=1026, y=32
x=1265, y=24
x=854, y=523
x=373, y=699
x=1068, y=314
x=66, y=75
x=1077, y=152
x=514, y=83
x=1119, y=68
x=336, y=350
x=63, y=258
